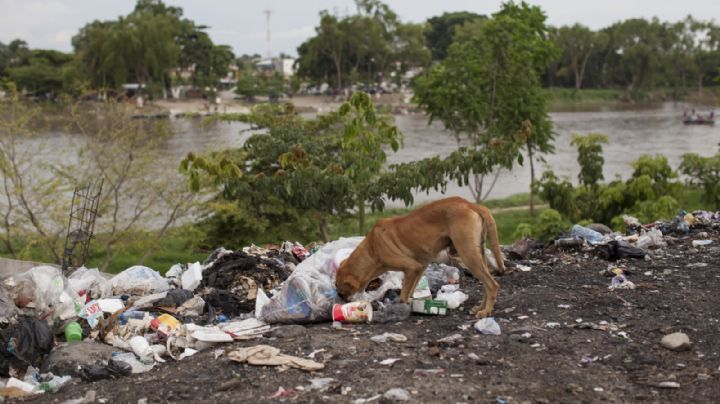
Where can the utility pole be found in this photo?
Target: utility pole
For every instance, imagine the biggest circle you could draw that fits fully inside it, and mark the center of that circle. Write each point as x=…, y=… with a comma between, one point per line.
x=268, y=13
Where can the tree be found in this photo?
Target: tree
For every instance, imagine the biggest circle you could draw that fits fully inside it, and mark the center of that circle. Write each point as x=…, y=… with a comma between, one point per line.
x=703, y=172
x=590, y=158
x=410, y=50
x=362, y=47
x=146, y=45
x=578, y=43
x=43, y=72
x=35, y=194
x=321, y=167
x=441, y=31
x=489, y=86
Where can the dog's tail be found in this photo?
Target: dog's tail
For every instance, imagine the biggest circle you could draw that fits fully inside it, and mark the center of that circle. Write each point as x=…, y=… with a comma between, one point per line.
x=491, y=230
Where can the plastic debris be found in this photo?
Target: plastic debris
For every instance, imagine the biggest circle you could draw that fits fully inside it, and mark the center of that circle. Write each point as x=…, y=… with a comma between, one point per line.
x=487, y=326
x=452, y=296
x=265, y=355
x=435, y=307
x=701, y=243
x=388, y=337
x=192, y=277
x=397, y=394
x=590, y=236
x=138, y=280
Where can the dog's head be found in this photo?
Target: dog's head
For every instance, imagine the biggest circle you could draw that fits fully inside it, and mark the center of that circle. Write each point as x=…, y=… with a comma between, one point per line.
x=346, y=283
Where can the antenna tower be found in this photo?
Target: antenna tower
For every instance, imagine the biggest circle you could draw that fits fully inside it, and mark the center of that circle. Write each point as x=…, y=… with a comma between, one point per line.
x=268, y=13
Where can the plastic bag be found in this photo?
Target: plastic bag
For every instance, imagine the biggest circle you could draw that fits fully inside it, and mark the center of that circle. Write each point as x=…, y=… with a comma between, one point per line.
x=441, y=274
x=653, y=238
x=47, y=289
x=452, y=296
x=24, y=343
x=8, y=309
x=138, y=280
x=309, y=293
x=91, y=281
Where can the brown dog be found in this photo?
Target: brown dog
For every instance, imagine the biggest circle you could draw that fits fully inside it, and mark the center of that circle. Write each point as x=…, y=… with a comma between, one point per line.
x=409, y=243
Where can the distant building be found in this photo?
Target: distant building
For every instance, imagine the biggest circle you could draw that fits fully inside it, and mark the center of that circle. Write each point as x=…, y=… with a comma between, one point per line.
x=284, y=66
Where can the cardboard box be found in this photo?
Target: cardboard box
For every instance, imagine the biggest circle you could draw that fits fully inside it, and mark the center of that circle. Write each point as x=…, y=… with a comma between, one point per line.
x=434, y=307
x=422, y=290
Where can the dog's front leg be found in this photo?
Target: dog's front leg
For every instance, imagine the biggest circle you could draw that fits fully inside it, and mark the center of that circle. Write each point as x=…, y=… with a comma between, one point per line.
x=410, y=281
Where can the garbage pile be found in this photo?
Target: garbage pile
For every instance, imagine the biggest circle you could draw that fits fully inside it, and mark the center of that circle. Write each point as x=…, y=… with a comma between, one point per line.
x=638, y=242
x=139, y=318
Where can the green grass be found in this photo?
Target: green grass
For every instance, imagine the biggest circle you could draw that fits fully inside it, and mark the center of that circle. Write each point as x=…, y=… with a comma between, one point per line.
x=179, y=245
x=506, y=220
x=568, y=99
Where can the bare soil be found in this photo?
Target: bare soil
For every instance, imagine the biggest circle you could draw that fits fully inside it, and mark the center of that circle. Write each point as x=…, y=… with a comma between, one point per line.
x=606, y=347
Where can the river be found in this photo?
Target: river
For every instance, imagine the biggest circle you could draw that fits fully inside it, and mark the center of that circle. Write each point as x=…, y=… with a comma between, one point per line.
x=631, y=133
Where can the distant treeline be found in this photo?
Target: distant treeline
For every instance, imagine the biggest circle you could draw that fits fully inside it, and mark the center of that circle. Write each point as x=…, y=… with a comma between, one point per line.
x=157, y=47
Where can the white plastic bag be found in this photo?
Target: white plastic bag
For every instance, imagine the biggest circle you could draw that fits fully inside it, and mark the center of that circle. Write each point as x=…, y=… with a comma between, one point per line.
x=452, y=296
x=192, y=277
x=138, y=280
x=653, y=238
x=488, y=326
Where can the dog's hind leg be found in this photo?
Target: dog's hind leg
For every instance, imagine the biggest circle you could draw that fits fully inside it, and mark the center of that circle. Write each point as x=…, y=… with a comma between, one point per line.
x=466, y=237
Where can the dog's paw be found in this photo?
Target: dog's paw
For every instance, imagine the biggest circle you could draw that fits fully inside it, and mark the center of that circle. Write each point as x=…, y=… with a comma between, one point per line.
x=482, y=313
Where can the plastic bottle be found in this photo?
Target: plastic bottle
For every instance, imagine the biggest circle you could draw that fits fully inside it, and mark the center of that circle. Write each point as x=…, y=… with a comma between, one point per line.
x=138, y=315
x=73, y=332
x=393, y=312
x=591, y=236
x=54, y=384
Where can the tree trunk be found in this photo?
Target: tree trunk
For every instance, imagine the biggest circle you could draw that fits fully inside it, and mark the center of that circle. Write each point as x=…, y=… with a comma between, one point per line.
x=361, y=217
x=338, y=71
x=324, y=230
x=700, y=85
x=532, y=180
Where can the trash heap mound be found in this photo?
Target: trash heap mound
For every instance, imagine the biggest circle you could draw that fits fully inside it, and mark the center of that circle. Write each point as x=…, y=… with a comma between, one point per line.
x=230, y=283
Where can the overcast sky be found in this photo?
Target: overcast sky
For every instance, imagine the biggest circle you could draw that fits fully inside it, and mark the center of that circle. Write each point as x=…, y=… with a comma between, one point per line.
x=241, y=23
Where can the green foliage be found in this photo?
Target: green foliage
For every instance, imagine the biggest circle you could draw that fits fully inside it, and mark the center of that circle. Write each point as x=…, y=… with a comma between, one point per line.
x=366, y=46
x=590, y=157
x=299, y=168
x=549, y=225
x=649, y=194
x=146, y=45
x=705, y=173
x=442, y=28
x=524, y=230
x=489, y=85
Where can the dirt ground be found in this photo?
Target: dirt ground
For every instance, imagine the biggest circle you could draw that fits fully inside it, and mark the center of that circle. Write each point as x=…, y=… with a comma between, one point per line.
x=606, y=347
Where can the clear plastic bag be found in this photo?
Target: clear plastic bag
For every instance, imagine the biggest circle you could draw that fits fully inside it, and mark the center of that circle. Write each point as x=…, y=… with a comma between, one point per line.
x=309, y=293
x=47, y=289
x=91, y=281
x=138, y=280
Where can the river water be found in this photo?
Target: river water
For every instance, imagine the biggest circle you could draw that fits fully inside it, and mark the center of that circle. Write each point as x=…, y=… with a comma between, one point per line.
x=632, y=133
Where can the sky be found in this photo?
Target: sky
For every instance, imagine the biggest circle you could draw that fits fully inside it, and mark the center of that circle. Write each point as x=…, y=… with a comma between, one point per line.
x=50, y=24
